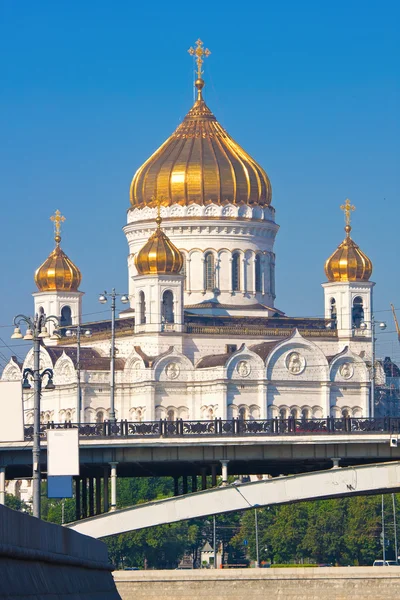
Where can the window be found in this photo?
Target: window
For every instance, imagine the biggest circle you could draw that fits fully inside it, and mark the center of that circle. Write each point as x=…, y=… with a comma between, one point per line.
x=282, y=413
x=333, y=313
x=293, y=413
x=258, y=276
x=210, y=414
x=230, y=348
x=209, y=272
x=242, y=413
x=345, y=413
x=171, y=415
x=142, y=307
x=357, y=312
x=66, y=316
x=305, y=413
x=236, y=272
x=68, y=416
x=167, y=307
x=100, y=417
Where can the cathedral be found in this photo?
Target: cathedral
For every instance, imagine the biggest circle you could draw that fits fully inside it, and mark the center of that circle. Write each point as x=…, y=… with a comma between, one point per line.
x=201, y=335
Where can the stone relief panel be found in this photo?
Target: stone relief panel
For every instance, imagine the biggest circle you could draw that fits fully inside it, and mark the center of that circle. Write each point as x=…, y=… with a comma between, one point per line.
x=172, y=370
x=295, y=363
x=346, y=370
x=243, y=368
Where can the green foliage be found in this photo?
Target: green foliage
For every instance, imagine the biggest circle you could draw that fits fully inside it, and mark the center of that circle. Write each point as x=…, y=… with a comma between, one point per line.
x=16, y=504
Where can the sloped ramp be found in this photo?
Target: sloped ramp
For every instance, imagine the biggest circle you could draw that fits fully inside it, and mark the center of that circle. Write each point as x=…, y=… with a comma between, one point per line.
x=365, y=479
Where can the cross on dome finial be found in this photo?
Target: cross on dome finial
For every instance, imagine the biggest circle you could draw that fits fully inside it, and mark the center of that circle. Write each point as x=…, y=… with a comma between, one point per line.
x=348, y=208
x=199, y=52
x=57, y=219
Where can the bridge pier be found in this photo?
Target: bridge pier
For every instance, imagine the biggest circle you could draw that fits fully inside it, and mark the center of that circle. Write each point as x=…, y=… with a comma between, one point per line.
x=224, y=464
x=98, y=495
x=91, y=496
x=105, y=490
x=194, y=483
x=84, y=498
x=335, y=462
x=184, y=484
x=213, y=475
x=113, y=485
x=78, y=510
x=2, y=485
x=204, y=478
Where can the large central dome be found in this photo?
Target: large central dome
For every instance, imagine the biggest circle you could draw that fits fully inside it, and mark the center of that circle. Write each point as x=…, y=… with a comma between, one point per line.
x=200, y=164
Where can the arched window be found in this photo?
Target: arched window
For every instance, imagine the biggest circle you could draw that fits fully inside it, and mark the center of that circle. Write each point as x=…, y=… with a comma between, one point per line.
x=236, y=272
x=333, y=313
x=242, y=413
x=142, y=306
x=66, y=316
x=67, y=416
x=210, y=414
x=282, y=413
x=41, y=310
x=171, y=415
x=209, y=271
x=100, y=417
x=139, y=415
x=357, y=312
x=345, y=413
x=305, y=413
x=293, y=413
x=167, y=307
x=258, y=277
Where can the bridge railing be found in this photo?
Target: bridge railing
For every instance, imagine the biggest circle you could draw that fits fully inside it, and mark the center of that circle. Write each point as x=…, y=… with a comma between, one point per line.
x=224, y=428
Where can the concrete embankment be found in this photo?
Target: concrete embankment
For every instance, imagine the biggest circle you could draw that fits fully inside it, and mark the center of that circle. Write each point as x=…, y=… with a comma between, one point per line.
x=42, y=561
x=325, y=583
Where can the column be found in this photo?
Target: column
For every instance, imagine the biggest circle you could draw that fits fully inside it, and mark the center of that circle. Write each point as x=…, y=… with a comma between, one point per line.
x=213, y=475
x=325, y=400
x=194, y=483
x=78, y=510
x=84, y=497
x=105, y=490
x=98, y=495
x=91, y=497
x=176, y=486
x=224, y=464
x=2, y=485
x=184, y=484
x=262, y=399
x=113, y=485
x=203, y=478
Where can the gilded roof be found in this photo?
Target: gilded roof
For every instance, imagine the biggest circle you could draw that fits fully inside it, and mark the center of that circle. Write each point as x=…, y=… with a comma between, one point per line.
x=159, y=255
x=58, y=273
x=200, y=164
x=348, y=262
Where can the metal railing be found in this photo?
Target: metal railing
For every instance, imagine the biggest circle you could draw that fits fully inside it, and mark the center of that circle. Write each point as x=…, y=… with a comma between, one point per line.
x=224, y=428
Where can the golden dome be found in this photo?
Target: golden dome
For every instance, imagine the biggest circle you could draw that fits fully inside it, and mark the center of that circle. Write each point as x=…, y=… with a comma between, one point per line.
x=158, y=256
x=58, y=273
x=200, y=164
x=348, y=262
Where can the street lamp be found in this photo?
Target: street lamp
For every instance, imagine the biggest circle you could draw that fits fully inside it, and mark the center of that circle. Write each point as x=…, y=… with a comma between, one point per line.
x=125, y=300
x=36, y=331
x=77, y=333
x=382, y=326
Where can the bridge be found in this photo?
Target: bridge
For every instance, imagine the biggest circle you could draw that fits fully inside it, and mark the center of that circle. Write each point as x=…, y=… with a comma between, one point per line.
x=195, y=453
x=337, y=482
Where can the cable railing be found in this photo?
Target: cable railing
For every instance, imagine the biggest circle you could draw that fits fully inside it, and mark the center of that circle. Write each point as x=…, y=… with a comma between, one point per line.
x=218, y=428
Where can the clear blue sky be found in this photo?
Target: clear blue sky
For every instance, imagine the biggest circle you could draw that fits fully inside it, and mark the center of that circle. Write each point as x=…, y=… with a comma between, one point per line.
x=89, y=89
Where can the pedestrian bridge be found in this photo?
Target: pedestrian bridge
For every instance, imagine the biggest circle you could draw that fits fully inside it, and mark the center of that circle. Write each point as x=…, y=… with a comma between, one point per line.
x=336, y=482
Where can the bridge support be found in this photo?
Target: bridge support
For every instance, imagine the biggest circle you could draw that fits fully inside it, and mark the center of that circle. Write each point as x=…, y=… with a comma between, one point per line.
x=224, y=464
x=98, y=495
x=203, y=478
x=213, y=475
x=105, y=490
x=77, y=498
x=335, y=462
x=194, y=483
x=2, y=485
x=113, y=485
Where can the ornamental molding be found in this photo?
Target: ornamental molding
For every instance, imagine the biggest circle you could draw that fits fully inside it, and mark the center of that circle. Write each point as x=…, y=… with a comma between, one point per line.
x=295, y=363
x=227, y=211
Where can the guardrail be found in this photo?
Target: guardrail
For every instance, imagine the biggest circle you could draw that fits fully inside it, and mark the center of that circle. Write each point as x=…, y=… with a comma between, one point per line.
x=224, y=428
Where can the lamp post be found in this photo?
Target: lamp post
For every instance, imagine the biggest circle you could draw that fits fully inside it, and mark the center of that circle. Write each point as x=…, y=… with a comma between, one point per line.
x=382, y=327
x=77, y=333
x=103, y=299
x=36, y=331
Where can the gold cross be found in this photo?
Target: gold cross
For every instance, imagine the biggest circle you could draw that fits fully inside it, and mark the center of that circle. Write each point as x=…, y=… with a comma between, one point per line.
x=57, y=219
x=348, y=208
x=199, y=52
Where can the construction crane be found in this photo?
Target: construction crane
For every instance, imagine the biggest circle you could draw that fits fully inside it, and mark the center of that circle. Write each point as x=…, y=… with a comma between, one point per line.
x=396, y=322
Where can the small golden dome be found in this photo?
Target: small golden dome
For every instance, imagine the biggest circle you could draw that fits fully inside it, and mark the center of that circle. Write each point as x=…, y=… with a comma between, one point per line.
x=200, y=164
x=158, y=256
x=58, y=273
x=348, y=262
